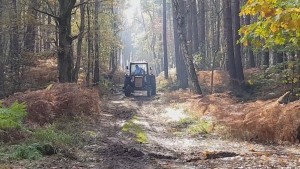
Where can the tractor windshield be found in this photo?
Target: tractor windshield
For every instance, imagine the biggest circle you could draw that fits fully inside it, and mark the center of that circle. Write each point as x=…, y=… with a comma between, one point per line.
x=138, y=69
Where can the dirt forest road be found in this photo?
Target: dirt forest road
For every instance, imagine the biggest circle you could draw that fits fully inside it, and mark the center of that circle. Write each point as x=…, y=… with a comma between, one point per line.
x=138, y=133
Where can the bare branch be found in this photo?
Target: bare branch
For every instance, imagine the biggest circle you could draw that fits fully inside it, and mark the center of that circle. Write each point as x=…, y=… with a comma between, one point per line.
x=77, y=5
x=49, y=6
x=78, y=35
x=49, y=14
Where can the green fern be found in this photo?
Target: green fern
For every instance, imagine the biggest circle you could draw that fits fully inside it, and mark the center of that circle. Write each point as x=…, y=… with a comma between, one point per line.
x=12, y=117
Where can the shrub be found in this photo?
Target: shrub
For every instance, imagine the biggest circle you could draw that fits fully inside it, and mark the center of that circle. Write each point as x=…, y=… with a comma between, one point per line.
x=12, y=117
x=59, y=100
x=53, y=137
x=30, y=152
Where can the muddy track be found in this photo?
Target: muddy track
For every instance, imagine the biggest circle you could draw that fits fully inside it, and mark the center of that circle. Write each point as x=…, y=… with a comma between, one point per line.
x=108, y=144
x=164, y=149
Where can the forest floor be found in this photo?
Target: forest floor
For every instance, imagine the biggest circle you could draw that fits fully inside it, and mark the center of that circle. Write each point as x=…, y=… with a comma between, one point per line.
x=142, y=132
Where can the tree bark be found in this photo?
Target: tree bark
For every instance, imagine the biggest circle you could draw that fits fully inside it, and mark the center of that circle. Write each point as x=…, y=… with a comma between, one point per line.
x=30, y=34
x=2, y=76
x=278, y=57
x=188, y=58
x=229, y=48
x=97, y=53
x=202, y=32
x=195, y=26
x=189, y=32
x=90, y=48
x=114, y=48
x=180, y=66
x=165, y=42
x=249, y=49
x=237, y=47
x=266, y=58
x=79, y=44
x=48, y=34
x=65, y=54
x=15, y=56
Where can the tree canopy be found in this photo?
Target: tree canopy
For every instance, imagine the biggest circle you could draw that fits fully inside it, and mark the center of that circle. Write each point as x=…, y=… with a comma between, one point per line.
x=277, y=25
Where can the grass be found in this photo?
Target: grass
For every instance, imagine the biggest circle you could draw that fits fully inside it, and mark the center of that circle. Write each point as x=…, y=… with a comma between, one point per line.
x=43, y=141
x=193, y=127
x=50, y=135
x=20, y=152
x=200, y=127
x=132, y=127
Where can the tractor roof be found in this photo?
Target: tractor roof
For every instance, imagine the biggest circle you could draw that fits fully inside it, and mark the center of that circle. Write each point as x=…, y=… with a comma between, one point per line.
x=138, y=62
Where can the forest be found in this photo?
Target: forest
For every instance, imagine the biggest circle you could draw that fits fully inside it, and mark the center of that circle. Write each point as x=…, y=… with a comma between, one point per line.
x=219, y=84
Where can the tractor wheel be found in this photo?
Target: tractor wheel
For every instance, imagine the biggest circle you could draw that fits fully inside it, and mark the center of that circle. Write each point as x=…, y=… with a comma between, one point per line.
x=153, y=85
x=148, y=92
x=127, y=90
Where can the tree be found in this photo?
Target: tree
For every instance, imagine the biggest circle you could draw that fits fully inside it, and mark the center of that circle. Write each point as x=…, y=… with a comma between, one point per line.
x=65, y=39
x=249, y=48
x=89, y=48
x=29, y=40
x=166, y=64
x=281, y=17
x=188, y=58
x=79, y=43
x=181, y=71
x=202, y=33
x=2, y=76
x=193, y=6
x=237, y=47
x=65, y=53
x=228, y=36
x=15, y=56
x=96, y=43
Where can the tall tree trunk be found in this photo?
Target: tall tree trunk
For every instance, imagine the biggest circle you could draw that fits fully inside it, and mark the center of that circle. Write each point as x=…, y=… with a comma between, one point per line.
x=278, y=57
x=166, y=64
x=189, y=26
x=97, y=53
x=217, y=44
x=90, y=48
x=188, y=58
x=30, y=34
x=79, y=44
x=202, y=26
x=152, y=46
x=195, y=26
x=15, y=56
x=237, y=47
x=65, y=54
x=180, y=66
x=48, y=34
x=2, y=76
x=249, y=49
x=229, y=49
x=38, y=35
x=266, y=58
x=114, y=49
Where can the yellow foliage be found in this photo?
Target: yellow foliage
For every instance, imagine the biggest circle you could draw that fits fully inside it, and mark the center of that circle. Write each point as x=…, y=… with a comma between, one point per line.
x=275, y=27
x=278, y=22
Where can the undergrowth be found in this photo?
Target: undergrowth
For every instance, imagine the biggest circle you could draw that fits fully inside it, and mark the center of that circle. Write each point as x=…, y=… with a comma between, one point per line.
x=52, y=136
x=193, y=126
x=41, y=141
x=12, y=117
x=277, y=79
